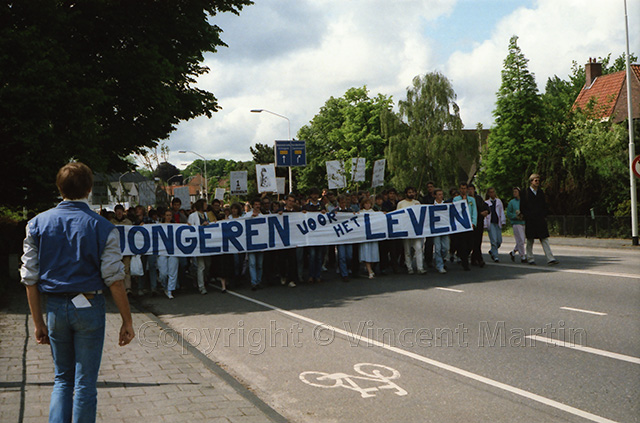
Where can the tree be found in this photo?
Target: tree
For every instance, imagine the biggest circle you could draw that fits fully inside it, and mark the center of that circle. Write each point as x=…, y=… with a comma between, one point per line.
x=345, y=128
x=586, y=163
x=428, y=142
x=516, y=143
x=166, y=171
x=96, y=81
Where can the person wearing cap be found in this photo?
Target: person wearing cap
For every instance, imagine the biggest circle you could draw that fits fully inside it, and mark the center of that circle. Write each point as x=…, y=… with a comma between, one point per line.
x=71, y=254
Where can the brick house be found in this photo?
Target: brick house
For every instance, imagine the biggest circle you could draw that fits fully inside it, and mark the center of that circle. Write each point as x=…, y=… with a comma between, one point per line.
x=608, y=93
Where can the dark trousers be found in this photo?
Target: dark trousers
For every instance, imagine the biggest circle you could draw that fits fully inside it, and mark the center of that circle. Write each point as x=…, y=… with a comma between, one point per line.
x=476, y=254
x=390, y=254
x=464, y=243
x=428, y=252
x=288, y=264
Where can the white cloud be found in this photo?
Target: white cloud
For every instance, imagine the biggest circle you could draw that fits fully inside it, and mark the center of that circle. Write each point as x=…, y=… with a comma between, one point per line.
x=551, y=36
x=290, y=57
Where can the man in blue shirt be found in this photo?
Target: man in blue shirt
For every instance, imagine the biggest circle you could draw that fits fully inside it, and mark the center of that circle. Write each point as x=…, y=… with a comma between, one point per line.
x=70, y=255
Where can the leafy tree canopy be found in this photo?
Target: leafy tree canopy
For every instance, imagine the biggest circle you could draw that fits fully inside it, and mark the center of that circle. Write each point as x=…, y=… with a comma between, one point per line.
x=96, y=81
x=345, y=128
x=427, y=143
x=517, y=142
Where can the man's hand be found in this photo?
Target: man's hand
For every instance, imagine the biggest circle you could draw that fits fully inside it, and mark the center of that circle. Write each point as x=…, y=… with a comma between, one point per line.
x=126, y=334
x=484, y=213
x=42, y=334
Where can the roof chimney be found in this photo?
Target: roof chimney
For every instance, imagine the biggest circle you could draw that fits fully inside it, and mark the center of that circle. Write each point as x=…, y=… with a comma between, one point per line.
x=592, y=70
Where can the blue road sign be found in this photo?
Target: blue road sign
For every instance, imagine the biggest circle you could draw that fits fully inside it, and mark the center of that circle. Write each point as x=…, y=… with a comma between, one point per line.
x=282, y=151
x=298, y=153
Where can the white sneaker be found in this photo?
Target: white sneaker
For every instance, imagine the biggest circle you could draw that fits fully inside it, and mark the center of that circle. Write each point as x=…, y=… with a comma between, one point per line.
x=410, y=271
x=292, y=284
x=168, y=294
x=203, y=291
x=283, y=281
x=442, y=270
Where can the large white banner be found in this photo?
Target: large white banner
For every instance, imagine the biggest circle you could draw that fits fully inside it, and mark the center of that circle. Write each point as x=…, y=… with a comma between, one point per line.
x=288, y=230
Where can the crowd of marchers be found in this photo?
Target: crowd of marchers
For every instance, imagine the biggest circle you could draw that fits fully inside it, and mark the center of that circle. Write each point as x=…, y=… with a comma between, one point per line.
x=166, y=274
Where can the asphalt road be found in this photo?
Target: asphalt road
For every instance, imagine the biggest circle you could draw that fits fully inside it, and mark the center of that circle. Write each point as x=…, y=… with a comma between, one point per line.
x=464, y=346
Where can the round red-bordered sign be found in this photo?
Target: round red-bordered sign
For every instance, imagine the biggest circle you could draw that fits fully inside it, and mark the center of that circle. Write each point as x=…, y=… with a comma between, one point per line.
x=635, y=166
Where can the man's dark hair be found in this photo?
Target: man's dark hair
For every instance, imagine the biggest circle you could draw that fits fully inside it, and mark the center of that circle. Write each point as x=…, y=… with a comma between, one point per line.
x=176, y=200
x=214, y=201
x=406, y=190
x=392, y=190
x=74, y=181
x=471, y=186
x=118, y=207
x=256, y=200
x=463, y=184
x=431, y=182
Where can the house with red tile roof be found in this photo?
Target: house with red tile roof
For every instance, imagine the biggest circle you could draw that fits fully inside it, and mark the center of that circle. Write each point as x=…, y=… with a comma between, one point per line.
x=605, y=96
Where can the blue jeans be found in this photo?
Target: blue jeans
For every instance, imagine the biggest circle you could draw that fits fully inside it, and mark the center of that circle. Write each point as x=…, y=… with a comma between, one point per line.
x=255, y=267
x=316, y=257
x=495, y=237
x=77, y=338
x=345, y=254
x=441, y=250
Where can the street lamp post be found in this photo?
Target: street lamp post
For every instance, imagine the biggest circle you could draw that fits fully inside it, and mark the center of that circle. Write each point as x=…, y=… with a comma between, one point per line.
x=206, y=185
x=196, y=167
x=289, y=126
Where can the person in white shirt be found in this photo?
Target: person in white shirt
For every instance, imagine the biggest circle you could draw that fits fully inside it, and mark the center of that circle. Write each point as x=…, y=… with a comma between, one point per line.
x=199, y=218
x=494, y=222
x=417, y=243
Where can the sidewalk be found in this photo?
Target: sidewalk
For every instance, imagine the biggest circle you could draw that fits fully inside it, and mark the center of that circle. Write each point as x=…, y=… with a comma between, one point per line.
x=576, y=242
x=137, y=383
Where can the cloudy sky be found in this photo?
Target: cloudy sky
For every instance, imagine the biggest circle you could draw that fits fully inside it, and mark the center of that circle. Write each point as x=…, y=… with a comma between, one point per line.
x=290, y=56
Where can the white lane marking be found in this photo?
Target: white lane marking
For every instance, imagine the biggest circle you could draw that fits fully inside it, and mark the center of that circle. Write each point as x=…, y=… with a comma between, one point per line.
x=604, y=353
x=456, y=370
x=544, y=267
x=369, y=372
x=597, y=313
x=449, y=289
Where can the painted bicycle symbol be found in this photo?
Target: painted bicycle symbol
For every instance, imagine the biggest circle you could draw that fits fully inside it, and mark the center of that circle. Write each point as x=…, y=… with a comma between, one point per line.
x=376, y=373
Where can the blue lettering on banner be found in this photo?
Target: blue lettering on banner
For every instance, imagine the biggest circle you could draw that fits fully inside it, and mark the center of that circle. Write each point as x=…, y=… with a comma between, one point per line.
x=250, y=233
x=346, y=227
x=204, y=235
x=355, y=220
x=283, y=231
x=433, y=219
x=418, y=224
x=123, y=239
x=367, y=227
x=332, y=216
x=190, y=246
x=164, y=233
x=455, y=216
x=322, y=220
x=339, y=230
x=132, y=240
x=391, y=221
x=303, y=230
x=231, y=231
